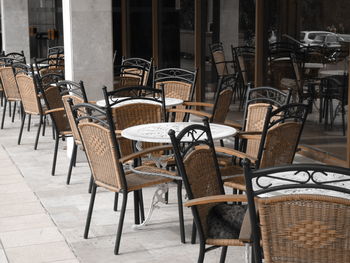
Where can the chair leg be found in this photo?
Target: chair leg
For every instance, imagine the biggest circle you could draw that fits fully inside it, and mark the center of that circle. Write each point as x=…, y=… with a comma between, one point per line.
x=142, y=209
x=194, y=233
x=72, y=160
x=21, y=130
x=116, y=199
x=44, y=126
x=91, y=184
x=181, y=213
x=343, y=118
x=10, y=108
x=14, y=111
x=121, y=222
x=55, y=155
x=91, y=207
x=3, y=115
x=223, y=254
x=29, y=121
x=136, y=208
x=201, y=252
x=38, y=133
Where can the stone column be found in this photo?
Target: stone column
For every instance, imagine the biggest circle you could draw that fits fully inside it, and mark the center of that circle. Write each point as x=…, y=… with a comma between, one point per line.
x=229, y=22
x=15, y=26
x=88, y=44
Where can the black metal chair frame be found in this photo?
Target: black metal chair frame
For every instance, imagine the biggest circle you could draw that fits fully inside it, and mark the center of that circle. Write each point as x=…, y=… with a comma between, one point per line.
x=139, y=63
x=314, y=178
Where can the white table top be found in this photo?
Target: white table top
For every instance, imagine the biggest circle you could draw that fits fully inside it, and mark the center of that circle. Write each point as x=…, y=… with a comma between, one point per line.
x=169, y=102
x=313, y=65
x=158, y=132
x=331, y=72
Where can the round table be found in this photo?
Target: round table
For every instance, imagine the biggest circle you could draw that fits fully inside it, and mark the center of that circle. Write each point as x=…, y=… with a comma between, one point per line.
x=169, y=102
x=158, y=132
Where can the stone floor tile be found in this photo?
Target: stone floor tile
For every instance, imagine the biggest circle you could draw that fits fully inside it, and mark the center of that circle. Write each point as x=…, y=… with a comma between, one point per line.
x=30, y=237
x=40, y=253
x=18, y=187
x=3, y=258
x=17, y=198
x=25, y=222
x=20, y=209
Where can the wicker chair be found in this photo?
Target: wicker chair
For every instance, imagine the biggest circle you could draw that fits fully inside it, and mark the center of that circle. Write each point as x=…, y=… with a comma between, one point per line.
x=49, y=65
x=198, y=166
x=54, y=104
x=28, y=90
x=73, y=93
x=10, y=90
x=245, y=60
x=178, y=83
x=299, y=213
x=100, y=142
x=137, y=66
x=221, y=105
x=16, y=57
x=218, y=57
x=136, y=113
x=277, y=143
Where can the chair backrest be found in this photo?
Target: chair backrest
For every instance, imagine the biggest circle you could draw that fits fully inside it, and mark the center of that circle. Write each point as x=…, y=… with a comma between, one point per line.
x=73, y=93
x=219, y=60
x=53, y=99
x=245, y=57
x=9, y=83
x=144, y=105
x=281, y=134
x=223, y=98
x=49, y=65
x=178, y=83
x=97, y=132
x=57, y=50
x=198, y=166
x=29, y=93
x=16, y=56
x=137, y=66
x=267, y=95
x=302, y=212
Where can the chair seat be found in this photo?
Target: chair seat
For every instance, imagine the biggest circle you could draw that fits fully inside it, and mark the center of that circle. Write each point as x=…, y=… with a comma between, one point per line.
x=139, y=181
x=224, y=242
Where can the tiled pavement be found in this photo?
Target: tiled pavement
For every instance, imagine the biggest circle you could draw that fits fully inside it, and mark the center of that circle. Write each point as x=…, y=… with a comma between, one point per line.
x=42, y=219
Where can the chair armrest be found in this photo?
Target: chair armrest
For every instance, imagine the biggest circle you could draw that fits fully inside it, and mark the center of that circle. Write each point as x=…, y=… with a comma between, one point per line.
x=216, y=199
x=195, y=112
x=245, y=235
x=92, y=101
x=255, y=135
x=146, y=151
x=194, y=103
x=233, y=152
x=54, y=110
x=233, y=124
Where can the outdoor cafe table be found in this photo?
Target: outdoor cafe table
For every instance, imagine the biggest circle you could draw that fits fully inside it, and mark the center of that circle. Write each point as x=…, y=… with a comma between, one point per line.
x=158, y=133
x=169, y=102
x=331, y=72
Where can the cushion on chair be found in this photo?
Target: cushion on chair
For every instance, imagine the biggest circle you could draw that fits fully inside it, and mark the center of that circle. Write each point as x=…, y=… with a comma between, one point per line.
x=225, y=220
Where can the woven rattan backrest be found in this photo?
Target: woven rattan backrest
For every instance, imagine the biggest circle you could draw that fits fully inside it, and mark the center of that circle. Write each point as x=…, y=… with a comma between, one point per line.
x=179, y=90
x=123, y=82
x=135, y=114
x=53, y=99
x=29, y=95
x=222, y=106
x=202, y=176
x=280, y=144
x=305, y=228
x=135, y=73
x=220, y=62
x=101, y=155
x=70, y=116
x=9, y=83
x=256, y=116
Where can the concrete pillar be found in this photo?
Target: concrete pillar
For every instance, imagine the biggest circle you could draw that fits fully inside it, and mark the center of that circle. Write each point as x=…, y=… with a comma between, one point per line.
x=15, y=26
x=88, y=44
x=229, y=25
